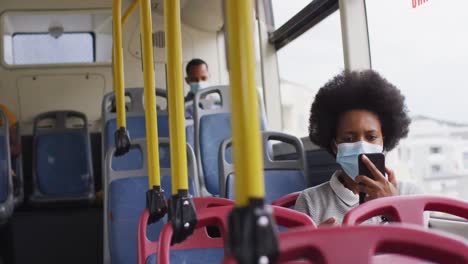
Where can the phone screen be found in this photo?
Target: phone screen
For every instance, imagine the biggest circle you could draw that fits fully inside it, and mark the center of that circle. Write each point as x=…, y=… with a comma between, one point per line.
x=378, y=159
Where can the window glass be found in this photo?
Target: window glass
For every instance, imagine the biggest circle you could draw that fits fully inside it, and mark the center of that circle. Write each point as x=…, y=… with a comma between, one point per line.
x=305, y=65
x=465, y=161
x=435, y=150
x=421, y=47
x=285, y=10
x=45, y=49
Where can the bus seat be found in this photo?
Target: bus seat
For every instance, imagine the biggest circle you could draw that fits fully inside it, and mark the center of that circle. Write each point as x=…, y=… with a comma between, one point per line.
x=282, y=177
x=212, y=126
x=147, y=249
x=190, y=132
x=137, y=130
x=125, y=199
x=406, y=209
x=18, y=163
x=136, y=126
x=321, y=166
x=6, y=184
x=359, y=244
x=135, y=116
x=201, y=248
x=62, y=162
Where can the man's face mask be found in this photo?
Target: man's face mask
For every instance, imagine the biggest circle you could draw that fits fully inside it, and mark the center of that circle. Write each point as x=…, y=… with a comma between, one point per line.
x=348, y=155
x=197, y=86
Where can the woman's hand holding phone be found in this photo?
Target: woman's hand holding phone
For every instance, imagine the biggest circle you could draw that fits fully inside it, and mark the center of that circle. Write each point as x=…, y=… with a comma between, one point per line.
x=379, y=186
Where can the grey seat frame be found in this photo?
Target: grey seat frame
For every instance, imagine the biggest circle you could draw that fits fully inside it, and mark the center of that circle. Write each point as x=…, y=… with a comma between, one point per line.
x=19, y=172
x=111, y=175
x=136, y=109
x=225, y=107
x=226, y=168
x=7, y=207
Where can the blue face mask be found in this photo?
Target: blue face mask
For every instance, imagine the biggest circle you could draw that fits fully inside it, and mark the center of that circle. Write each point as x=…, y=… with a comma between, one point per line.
x=197, y=86
x=348, y=155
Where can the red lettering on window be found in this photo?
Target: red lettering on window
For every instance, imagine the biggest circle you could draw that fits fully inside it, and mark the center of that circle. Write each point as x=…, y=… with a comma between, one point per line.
x=417, y=3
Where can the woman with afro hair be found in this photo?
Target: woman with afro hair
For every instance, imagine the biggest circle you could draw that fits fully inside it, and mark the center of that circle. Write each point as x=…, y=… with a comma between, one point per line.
x=355, y=113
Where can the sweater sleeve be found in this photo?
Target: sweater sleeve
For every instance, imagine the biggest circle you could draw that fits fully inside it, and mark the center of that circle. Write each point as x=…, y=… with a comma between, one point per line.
x=301, y=204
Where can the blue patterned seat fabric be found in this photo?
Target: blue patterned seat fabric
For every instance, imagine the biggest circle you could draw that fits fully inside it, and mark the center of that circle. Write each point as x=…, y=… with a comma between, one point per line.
x=214, y=129
x=127, y=199
x=62, y=167
x=278, y=183
x=3, y=169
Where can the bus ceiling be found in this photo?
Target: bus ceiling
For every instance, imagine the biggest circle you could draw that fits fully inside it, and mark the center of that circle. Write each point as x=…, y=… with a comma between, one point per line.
x=206, y=15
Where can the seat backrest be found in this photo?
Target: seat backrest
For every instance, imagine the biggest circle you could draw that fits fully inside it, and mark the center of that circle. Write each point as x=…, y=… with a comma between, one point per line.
x=147, y=248
x=18, y=163
x=216, y=216
x=359, y=244
x=282, y=177
x=6, y=184
x=135, y=113
x=321, y=165
x=406, y=209
x=125, y=198
x=187, y=250
x=62, y=161
x=136, y=124
x=212, y=126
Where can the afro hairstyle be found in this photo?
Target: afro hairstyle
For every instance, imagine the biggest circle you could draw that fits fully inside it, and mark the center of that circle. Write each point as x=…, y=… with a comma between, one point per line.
x=358, y=90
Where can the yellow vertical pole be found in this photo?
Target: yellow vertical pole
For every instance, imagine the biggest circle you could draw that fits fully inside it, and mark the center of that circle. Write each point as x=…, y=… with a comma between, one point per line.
x=114, y=69
x=175, y=95
x=154, y=177
x=125, y=17
x=118, y=63
x=248, y=161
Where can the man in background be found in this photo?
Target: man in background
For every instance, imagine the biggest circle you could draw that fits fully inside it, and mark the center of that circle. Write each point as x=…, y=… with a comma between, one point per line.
x=197, y=77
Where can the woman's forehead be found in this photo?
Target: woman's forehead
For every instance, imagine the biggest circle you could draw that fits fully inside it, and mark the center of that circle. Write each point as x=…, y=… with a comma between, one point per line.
x=358, y=120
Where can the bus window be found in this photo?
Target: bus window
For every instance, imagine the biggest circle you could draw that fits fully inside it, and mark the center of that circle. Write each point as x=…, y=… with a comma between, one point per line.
x=305, y=65
x=285, y=10
x=45, y=48
x=423, y=50
x=68, y=37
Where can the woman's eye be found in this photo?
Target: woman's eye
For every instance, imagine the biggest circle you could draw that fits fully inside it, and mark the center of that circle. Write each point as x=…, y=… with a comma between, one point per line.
x=372, y=138
x=348, y=139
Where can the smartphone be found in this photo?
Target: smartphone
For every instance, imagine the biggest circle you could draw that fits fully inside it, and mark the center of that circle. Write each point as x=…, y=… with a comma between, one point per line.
x=378, y=159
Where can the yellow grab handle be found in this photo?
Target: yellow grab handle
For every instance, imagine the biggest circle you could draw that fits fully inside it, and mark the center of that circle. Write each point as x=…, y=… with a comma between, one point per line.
x=175, y=95
x=154, y=177
x=129, y=11
x=118, y=63
x=114, y=69
x=125, y=17
x=248, y=162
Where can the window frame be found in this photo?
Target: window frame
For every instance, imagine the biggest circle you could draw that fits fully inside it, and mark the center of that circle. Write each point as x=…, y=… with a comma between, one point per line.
x=312, y=14
x=94, y=11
